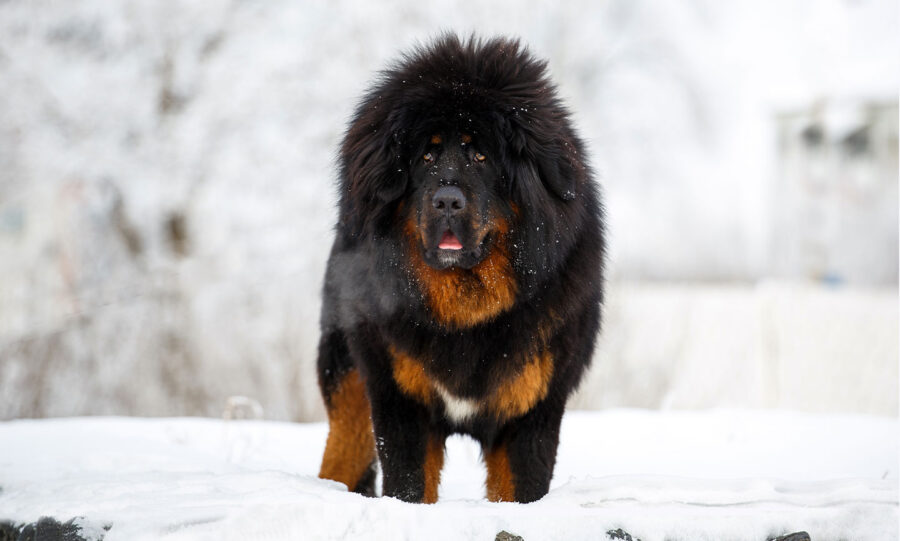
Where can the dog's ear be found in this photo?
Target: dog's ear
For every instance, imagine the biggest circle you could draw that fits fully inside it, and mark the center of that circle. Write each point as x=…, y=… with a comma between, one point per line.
x=547, y=157
x=395, y=173
x=372, y=174
x=557, y=175
x=548, y=168
x=373, y=169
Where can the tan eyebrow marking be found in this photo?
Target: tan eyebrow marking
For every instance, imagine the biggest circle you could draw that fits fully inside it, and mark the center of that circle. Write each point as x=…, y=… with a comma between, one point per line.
x=466, y=139
x=436, y=140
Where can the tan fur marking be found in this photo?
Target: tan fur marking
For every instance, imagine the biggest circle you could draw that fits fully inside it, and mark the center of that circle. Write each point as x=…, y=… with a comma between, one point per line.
x=434, y=462
x=436, y=140
x=549, y=325
x=350, y=447
x=501, y=486
x=514, y=397
x=461, y=298
x=466, y=139
x=411, y=377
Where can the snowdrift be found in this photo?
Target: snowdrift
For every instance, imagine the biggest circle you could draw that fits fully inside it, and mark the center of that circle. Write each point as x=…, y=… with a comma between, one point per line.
x=737, y=475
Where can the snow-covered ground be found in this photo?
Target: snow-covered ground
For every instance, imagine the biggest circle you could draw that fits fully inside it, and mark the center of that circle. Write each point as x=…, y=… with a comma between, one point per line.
x=728, y=474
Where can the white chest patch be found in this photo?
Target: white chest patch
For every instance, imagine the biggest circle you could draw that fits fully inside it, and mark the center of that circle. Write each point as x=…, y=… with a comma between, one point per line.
x=457, y=409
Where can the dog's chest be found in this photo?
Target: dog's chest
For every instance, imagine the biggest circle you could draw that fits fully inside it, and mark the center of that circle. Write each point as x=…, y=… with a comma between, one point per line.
x=511, y=392
x=457, y=409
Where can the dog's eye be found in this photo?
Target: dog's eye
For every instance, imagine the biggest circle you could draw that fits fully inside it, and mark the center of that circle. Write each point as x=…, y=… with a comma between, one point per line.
x=479, y=157
x=428, y=157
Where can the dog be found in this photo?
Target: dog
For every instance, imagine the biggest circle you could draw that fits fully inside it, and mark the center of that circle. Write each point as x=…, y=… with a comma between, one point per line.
x=463, y=291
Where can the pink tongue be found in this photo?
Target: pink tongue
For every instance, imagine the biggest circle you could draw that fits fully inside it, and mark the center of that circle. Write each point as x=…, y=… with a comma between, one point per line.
x=449, y=242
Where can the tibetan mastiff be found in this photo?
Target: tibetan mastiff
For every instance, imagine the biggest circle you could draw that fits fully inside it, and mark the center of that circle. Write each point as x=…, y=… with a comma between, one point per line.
x=463, y=290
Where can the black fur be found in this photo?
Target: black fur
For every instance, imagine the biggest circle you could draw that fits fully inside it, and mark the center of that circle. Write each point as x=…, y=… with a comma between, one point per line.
x=535, y=179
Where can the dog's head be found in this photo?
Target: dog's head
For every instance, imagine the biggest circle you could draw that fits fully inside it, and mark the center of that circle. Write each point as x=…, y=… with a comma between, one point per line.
x=457, y=143
x=455, y=212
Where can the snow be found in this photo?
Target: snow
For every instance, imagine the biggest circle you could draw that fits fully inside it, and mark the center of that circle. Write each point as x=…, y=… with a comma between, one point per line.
x=728, y=474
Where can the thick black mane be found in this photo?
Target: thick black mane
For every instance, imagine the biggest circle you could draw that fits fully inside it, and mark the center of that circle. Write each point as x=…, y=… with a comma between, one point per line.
x=495, y=88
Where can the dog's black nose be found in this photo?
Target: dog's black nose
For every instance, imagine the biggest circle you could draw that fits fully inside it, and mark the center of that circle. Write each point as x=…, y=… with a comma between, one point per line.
x=449, y=199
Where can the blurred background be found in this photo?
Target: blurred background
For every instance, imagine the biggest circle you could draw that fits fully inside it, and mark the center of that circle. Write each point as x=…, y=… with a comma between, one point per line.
x=166, y=195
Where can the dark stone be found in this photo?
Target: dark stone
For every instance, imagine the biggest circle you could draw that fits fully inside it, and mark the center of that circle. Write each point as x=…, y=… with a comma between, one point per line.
x=621, y=534
x=8, y=531
x=26, y=533
x=797, y=536
x=45, y=529
x=506, y=536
